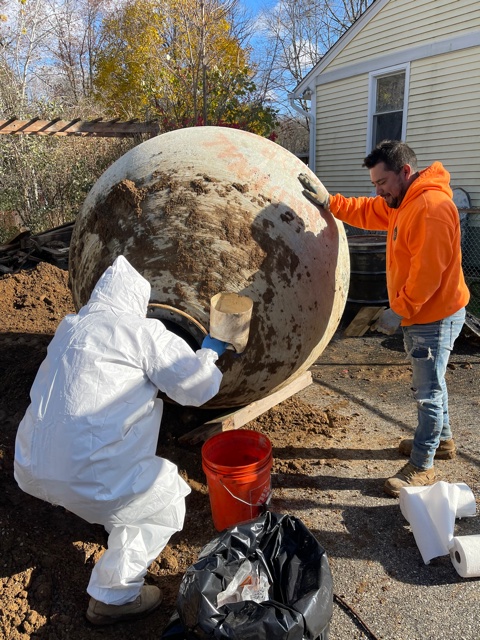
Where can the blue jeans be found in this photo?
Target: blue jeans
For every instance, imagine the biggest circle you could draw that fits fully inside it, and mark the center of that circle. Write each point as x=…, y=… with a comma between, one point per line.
x=428, y=347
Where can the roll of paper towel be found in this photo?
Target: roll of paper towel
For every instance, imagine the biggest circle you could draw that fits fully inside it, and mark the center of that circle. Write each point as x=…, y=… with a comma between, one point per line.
x=431, y=513
x=460, y=497
x=466, y=505
x=465, y=555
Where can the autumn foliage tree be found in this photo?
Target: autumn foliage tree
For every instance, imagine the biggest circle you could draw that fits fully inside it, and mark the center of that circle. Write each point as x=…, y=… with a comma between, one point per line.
x=182, y=62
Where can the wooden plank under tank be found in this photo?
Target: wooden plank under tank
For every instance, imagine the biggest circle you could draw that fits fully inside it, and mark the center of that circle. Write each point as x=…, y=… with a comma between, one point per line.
x=242, y=416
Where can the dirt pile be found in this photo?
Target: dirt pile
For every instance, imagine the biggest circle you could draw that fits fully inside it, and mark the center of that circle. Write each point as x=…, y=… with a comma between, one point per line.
x=34, y=301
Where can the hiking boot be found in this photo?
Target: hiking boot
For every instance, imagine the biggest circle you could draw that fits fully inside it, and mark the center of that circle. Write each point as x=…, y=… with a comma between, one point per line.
x=409, y=476
x=100, y=613
x=446, y=449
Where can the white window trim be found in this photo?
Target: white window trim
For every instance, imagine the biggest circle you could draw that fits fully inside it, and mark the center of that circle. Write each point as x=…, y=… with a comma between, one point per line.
x=372, y=78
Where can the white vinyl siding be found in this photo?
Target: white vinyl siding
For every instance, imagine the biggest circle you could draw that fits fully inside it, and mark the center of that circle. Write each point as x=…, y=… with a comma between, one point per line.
x=439, y=40
x=342, y=109
x=444, y=116
x=443, y=123
x=402, y=24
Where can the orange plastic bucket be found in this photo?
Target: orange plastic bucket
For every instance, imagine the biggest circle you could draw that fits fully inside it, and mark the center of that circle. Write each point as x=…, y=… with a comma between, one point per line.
x=237, y=464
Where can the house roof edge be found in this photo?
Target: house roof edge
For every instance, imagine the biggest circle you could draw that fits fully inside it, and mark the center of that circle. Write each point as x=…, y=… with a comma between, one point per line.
x=340, y=44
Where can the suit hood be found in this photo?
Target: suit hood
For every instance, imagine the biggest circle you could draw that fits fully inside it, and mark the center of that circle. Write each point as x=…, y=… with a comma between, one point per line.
x=123, y=288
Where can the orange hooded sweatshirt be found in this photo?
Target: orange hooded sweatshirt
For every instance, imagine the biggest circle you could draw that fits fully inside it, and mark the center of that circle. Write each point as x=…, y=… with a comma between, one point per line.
x=424, y=262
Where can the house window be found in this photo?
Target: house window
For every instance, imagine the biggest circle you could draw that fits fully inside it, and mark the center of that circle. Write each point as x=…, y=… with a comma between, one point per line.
x=388, y=100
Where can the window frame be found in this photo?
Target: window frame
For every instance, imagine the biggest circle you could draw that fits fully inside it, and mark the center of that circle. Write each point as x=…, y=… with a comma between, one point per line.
x=373, y=76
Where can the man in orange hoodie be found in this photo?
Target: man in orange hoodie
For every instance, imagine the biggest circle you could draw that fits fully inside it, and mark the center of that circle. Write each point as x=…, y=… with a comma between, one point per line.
x=426, y=287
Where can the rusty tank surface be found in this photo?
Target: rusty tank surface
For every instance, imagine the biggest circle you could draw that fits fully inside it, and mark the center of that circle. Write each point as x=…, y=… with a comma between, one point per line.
x=203, y=210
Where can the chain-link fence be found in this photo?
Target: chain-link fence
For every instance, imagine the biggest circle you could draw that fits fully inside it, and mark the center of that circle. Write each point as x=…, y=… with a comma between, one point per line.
x=470, y=224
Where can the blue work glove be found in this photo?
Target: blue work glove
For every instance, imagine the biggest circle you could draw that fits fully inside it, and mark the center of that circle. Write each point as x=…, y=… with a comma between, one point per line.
x=387, y=323
x=317, y=194
x=215, y=345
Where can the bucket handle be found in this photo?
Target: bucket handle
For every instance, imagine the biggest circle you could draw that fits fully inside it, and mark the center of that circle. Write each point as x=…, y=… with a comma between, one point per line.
x=263, y=505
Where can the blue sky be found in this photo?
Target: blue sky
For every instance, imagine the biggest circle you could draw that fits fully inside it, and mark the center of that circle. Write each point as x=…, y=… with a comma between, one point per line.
x=252, y=5
x=255, y=5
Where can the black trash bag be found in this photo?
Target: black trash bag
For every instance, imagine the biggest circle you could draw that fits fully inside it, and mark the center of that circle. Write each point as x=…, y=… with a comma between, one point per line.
x=300, y=599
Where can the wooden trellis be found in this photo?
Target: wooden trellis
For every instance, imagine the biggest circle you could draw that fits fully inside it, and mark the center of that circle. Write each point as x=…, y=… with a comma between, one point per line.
x=77, y=127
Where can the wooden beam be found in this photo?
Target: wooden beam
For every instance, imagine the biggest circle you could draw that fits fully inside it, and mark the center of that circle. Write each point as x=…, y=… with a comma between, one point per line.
x=77, y=127
x=242, y=416
x=364, y=319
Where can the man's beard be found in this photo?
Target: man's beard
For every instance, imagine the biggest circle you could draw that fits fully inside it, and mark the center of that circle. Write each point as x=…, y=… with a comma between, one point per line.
x=394, y=203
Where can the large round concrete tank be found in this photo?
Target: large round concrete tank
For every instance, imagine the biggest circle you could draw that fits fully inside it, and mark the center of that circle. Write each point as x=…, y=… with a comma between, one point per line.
x=208, y=209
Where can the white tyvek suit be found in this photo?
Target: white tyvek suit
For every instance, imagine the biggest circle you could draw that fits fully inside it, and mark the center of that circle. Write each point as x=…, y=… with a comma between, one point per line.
x=88, y=439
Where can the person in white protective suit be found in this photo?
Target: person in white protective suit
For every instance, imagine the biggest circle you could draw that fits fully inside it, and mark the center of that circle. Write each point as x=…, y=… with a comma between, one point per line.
x=87, y=441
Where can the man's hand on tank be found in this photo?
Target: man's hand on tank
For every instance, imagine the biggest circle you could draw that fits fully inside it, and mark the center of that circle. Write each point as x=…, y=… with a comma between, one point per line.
x=306, y=182
x=387, y=323
x=215, y=345
x=317, y=194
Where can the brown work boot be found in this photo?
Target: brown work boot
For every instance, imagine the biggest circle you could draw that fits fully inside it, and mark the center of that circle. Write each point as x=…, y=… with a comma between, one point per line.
x=409, y=476
x=446, y=449
x=100, y=613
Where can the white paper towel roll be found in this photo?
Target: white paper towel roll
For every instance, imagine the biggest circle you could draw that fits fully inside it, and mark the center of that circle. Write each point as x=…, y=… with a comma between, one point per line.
x=431, y=518
x=466, y=506
x=465, y=555
x=431, y=513
x=461, y=498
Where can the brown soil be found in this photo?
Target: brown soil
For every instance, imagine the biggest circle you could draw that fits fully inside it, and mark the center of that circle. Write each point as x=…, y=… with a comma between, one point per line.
x=47, y=553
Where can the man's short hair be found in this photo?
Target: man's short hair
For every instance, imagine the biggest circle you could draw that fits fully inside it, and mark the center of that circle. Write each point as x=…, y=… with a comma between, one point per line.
x=394, y=154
